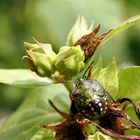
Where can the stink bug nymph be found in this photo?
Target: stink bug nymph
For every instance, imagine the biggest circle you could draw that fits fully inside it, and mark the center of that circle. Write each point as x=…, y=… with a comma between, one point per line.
x=89, y=98
x=92, y=104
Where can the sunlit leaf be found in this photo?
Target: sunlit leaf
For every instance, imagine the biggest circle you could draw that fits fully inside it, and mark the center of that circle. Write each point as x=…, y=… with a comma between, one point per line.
x=129, y=82
x=129, y=86
x=97, y=68
x=108, y=77
x=22, y=78
x=130, y=22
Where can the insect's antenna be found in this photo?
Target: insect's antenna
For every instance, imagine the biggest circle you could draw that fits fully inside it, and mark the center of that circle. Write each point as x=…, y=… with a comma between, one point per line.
x=88, y=69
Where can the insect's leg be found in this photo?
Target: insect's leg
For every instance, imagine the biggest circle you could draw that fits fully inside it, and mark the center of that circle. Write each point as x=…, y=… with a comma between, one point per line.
x=124, y=107
x=121, y=114
x=82, y=124
x=132, y=123
x=63, y=114
x=137, y=109
x=54, y=126
x=115, y=107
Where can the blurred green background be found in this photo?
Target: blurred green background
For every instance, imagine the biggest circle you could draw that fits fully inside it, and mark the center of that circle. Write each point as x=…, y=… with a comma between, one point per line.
x=49, y=21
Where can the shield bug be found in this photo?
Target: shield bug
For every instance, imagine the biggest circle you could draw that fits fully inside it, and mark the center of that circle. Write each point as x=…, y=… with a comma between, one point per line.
x=89, y=98
x=90, y=103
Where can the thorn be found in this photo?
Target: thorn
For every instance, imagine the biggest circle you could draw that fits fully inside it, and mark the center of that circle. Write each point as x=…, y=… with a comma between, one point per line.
x=96, y=30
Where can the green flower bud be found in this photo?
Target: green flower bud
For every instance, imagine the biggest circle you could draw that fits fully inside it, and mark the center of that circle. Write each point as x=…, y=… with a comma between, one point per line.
x=69, y=61
x=41, y=57
x=79, y=29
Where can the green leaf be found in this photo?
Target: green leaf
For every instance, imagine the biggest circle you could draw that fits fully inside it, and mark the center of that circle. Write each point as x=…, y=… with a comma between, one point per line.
x=99, y=136
x=22, y=78
x=129, y=83
x=27, y=121
x=130, y=22
x=108, y=77
x=97, y=68
x=129, y=86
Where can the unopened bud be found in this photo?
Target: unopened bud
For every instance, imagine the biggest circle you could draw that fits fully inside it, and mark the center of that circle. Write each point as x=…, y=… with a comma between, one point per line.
x=41, y=57
x=70, y=61
x=79, y=29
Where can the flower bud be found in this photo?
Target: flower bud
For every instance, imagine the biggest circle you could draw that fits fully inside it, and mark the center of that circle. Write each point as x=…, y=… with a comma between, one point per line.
x=78, y=30
x=41, y=58
x=70, y=61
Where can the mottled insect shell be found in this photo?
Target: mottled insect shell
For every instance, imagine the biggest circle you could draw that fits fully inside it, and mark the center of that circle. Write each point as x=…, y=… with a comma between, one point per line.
x=90, y=99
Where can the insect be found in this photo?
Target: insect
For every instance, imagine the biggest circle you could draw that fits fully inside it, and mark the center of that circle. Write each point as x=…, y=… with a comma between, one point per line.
x=89, y=98
x=90, y=103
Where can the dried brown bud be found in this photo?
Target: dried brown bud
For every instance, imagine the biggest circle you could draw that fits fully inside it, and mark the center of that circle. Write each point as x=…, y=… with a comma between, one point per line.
x=90, y=42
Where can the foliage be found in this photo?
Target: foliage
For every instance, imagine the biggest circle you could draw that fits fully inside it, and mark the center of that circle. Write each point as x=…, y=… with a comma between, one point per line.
x=22, y=78
x=27, y=121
